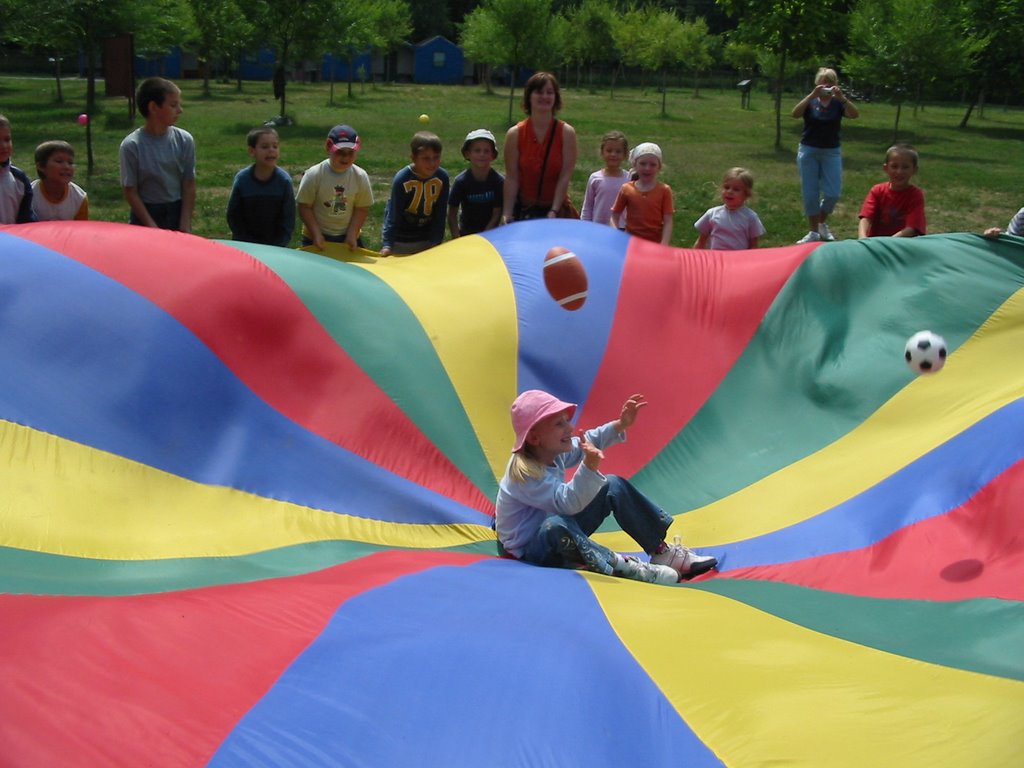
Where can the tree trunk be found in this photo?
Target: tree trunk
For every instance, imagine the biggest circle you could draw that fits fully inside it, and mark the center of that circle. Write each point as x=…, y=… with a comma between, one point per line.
x=896, y=125
x=279, y=83
x=56, y=66
x=511, y=92
x=664, y=91
x=90, y=101
x=778, y=98
x=970, y=108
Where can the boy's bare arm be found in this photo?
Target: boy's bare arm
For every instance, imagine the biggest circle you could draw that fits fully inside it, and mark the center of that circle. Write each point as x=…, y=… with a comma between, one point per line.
x=453, y=221
x=495, y=219
x=355, y=226
x=131, y=195
x=188, y=204
x=309, y=219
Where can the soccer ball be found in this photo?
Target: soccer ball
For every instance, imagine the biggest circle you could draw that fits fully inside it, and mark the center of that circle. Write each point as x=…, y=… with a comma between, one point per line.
x=925, y=352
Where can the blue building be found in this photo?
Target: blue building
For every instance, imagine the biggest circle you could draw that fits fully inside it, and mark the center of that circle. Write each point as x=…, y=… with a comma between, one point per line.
x=439, y=60
x=436, y=60
x=362, y=61
x=170, y=65
x=258, y=65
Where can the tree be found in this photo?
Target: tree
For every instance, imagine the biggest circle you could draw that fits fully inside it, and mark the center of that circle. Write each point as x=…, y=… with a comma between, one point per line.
x=162, y=28
x=591, y=41
x=515, y=33
x=628, y=34
x=697, y=49
x=350, y=32
x=293, y=28
x=786, y=29
x=39, y=27
x=220, y=30
x=656, y=40
x=901, y=46
x=394, y=25
x=355, y=29
x=479, y=37
x=662, y=47
x=559, y=34
x=80, y=25
x=742, y=56
x=429, y=18
x=995, y=27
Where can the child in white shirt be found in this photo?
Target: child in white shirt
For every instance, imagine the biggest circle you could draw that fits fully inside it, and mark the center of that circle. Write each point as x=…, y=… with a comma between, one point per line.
x=55, y=197
x=731, y=226
x=603, y=185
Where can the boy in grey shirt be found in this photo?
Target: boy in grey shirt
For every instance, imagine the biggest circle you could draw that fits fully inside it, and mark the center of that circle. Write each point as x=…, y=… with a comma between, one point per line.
x=158, y=161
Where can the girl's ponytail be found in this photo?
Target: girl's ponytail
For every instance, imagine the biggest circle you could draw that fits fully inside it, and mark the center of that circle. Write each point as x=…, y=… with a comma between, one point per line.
x=523, y=467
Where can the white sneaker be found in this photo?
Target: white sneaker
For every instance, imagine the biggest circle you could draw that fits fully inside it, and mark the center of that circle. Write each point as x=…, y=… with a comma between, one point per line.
x=824, y=232
x=639, y=570
x=810, y=237
x=684, y=561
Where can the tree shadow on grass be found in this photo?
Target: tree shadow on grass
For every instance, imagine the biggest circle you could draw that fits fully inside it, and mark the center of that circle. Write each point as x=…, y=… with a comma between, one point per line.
x=29, y=107
x=317, y=132
x=882, y=136
x=999, y=132
x=118, y=120
x=773, y=154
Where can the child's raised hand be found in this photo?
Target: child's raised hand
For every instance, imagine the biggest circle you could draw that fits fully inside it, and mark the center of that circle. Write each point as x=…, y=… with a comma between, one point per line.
x=629, y=411
x=592, y=455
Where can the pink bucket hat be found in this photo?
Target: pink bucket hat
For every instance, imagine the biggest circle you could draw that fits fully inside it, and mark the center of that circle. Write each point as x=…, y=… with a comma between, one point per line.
x=532, y=407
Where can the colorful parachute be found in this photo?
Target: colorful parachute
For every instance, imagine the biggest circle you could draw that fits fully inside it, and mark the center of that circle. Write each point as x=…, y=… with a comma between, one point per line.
x=247, y=503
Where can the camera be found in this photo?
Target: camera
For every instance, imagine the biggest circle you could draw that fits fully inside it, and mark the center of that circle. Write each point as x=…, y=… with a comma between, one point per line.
x=828, y=90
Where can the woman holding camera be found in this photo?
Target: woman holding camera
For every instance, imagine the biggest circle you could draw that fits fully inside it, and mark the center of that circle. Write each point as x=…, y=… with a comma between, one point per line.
x=818, y=157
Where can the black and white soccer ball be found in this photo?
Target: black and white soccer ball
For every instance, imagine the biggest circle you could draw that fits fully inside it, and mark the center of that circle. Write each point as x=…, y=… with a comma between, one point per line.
x=925, y=352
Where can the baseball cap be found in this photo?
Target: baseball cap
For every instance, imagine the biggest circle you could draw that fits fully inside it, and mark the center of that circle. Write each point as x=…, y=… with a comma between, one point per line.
x=645, y=148
x=534, y=406
x=479, y=133
x=343, y=137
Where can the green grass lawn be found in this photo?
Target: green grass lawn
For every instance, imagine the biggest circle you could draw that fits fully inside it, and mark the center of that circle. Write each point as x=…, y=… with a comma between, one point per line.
x=973, y=178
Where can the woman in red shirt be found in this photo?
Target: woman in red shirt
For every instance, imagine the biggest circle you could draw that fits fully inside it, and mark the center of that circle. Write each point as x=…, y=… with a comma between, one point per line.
x=540, y=154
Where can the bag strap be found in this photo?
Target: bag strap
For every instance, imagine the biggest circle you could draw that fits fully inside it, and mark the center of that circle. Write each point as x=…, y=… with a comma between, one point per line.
x=544, y=165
